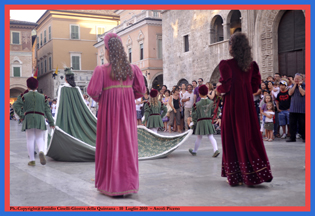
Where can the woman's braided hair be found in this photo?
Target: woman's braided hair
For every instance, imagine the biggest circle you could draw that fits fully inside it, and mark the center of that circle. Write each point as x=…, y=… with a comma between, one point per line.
x=121, y=68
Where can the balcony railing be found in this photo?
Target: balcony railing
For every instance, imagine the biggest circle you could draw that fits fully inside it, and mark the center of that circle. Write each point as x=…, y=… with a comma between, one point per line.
x=134, y=19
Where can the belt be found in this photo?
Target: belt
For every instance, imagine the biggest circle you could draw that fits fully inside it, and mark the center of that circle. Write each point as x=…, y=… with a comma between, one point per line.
x=117, y=86
x=154, y=114
x=34, y=113
x=203, y=119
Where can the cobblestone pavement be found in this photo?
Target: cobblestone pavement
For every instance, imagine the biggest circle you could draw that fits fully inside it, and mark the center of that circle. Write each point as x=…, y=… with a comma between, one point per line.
x=178, y=180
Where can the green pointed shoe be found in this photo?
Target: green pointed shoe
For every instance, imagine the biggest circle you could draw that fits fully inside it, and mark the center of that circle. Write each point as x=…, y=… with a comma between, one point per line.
x=191, y=152
x=216, y=153
x=42, y=158
x=31, y=163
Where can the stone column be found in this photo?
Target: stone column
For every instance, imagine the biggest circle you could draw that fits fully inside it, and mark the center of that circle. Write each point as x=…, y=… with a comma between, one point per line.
x=226, y=31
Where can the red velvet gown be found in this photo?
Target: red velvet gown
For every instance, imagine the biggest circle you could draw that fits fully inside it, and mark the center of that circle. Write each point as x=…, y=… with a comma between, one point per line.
x=244, y=155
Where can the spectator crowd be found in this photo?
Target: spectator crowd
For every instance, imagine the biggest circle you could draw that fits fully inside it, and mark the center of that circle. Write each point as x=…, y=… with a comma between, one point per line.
x=279, y=103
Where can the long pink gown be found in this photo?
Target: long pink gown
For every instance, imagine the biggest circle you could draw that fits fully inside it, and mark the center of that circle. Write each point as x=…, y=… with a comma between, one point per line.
x=116, y=155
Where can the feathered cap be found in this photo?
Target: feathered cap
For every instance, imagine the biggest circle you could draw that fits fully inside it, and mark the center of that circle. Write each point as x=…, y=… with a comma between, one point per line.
x=32, y=83
x=68, y=71
x=154, y=93
x=203, y=90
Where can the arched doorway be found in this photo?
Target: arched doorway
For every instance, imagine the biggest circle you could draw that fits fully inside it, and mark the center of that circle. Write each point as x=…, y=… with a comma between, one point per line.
x=291, y=43
x=216, y=30
x=182, y=81
x=214, y=79
x=14, y=93
x=157, y=82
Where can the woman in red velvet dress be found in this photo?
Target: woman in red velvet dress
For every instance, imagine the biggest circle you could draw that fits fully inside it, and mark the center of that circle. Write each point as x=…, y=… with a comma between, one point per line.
x=244, y=156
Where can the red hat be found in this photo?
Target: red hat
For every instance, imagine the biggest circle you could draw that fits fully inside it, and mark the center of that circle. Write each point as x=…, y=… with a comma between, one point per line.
x=203, y=90
x=32, y=83
x=154, y=93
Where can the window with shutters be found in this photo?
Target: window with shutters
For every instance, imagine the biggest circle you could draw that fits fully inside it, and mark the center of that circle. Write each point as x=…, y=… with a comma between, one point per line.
x=16, y=71
x=102, y=61
x=37, y=39
x=141, y=51
x=41, y=68
x=15, y=37
x=76, y=62
x=49, y=33
x=41, y=39
x=186, y=43
x=44, y=36
x=49, y=63
x=130, y=53
x=75, y=32
x=160, y=51
x=100, y=30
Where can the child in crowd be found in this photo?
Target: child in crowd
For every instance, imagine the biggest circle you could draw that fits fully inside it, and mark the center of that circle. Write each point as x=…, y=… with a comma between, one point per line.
x=138, y=109
x=269, y=113
x=275, y=90
x=283, y=105
x=202, y=114
x=263, y=108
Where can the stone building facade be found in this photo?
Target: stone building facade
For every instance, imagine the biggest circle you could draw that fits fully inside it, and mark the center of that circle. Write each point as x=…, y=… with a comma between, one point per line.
x=65, y=38
x=195, y=41
x=20, y=56
x=141, y=34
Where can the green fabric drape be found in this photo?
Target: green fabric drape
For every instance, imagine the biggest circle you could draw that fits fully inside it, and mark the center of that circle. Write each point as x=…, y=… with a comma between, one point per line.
x=75, y=134
x=74, y=117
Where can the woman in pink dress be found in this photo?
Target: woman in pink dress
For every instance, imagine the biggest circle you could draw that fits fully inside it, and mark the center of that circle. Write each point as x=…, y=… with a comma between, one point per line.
x=115, y=86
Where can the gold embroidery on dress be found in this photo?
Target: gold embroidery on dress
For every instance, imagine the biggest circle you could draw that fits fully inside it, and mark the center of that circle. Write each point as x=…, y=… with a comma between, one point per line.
x=247, y=173
x=117, y=86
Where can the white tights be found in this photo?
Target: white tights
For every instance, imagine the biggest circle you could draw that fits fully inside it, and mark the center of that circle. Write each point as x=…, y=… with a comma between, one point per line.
x=34, y=135
x=212, y=140
x=154, y=129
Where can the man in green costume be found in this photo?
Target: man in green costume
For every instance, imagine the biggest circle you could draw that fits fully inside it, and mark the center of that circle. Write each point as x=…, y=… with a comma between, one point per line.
x=152, y=112
x=202, y=115
x=32, y=107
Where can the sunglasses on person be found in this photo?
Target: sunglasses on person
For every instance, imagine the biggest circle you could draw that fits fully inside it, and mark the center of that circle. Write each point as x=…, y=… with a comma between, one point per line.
x=199, y=81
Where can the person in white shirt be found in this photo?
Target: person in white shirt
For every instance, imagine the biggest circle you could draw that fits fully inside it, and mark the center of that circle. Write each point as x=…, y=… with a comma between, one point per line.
x=269, y=113
x=53, y=107
x=138, y=109
x=182, y=109
x=188, y=100
x=93, y=106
